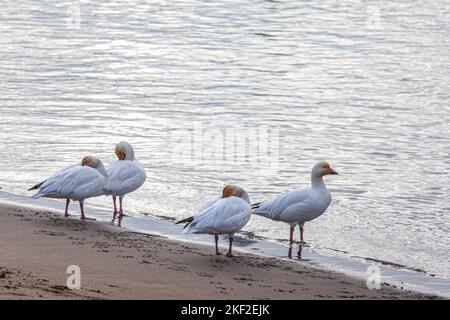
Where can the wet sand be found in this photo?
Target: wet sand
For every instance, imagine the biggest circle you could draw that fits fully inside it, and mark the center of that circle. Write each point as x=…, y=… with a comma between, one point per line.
x=37, y=246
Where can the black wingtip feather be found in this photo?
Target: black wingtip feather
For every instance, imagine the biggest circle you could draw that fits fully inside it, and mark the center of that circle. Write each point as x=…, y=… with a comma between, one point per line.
x=188, y=221
x=256, y=205
x=36, y=186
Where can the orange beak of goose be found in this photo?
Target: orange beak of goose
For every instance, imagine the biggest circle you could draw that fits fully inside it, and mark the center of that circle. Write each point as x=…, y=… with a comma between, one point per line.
x=332, y=171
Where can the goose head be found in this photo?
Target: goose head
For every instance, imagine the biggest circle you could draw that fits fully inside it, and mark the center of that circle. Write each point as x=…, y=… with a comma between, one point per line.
x=124, y=151
x=322, y=169
x=94, y=162
x=236, y=191
x=90, y=161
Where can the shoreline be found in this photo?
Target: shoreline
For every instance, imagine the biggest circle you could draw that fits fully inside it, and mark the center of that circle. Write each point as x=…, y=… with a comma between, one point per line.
x=38, y=245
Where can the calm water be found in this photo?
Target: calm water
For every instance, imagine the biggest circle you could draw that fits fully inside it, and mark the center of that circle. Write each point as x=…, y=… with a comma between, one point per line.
x=363, y=86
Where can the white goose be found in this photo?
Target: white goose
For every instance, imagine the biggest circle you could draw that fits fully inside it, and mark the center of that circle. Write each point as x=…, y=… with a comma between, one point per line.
x=221, y=215
x=299, y=206
x=77, y=183
x=124, y=176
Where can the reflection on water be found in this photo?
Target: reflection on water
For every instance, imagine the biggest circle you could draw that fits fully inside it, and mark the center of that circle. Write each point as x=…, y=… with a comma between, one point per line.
x=299, y=251
x=365, y=87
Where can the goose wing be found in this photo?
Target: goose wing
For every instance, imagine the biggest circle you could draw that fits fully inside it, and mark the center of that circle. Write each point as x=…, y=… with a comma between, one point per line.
x=124, y=177
x=225, y=216
x=77, y=182
x=285, y=206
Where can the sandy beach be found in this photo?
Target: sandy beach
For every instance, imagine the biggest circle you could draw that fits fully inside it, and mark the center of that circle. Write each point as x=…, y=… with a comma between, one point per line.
x=37, y=246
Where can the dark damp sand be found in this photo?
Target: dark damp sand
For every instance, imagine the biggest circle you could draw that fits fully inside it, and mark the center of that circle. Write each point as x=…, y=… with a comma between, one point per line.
x=37, y=246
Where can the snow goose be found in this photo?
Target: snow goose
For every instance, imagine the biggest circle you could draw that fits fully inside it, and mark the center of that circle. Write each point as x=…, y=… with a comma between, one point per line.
x=77, y=183
x=299, y=206
x=124, y=176
x=221, y=215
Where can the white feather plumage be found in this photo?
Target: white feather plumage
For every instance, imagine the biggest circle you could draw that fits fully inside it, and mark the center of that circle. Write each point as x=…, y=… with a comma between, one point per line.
x=222, y=216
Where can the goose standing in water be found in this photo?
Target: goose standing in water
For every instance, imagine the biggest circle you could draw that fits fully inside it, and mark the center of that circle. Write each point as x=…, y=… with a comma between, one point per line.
x=299, y=206
x=76, y=183
x=124, y=176
x=221, y=215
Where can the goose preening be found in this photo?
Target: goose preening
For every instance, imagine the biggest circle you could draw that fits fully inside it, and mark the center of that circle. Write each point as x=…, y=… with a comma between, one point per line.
x=221, y=215
x=299, y=206
x=77, y=183
x=124, y=176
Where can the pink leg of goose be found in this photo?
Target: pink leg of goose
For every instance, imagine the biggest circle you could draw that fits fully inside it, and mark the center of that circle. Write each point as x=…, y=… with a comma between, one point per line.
x=115, y=208
x=83, y=217
x=230, y=254
x=66, y=213
x=301, y=232
x=216, y=238
x=291, y=235
x=121, y=214
x=291, y=241
x=299, y=253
